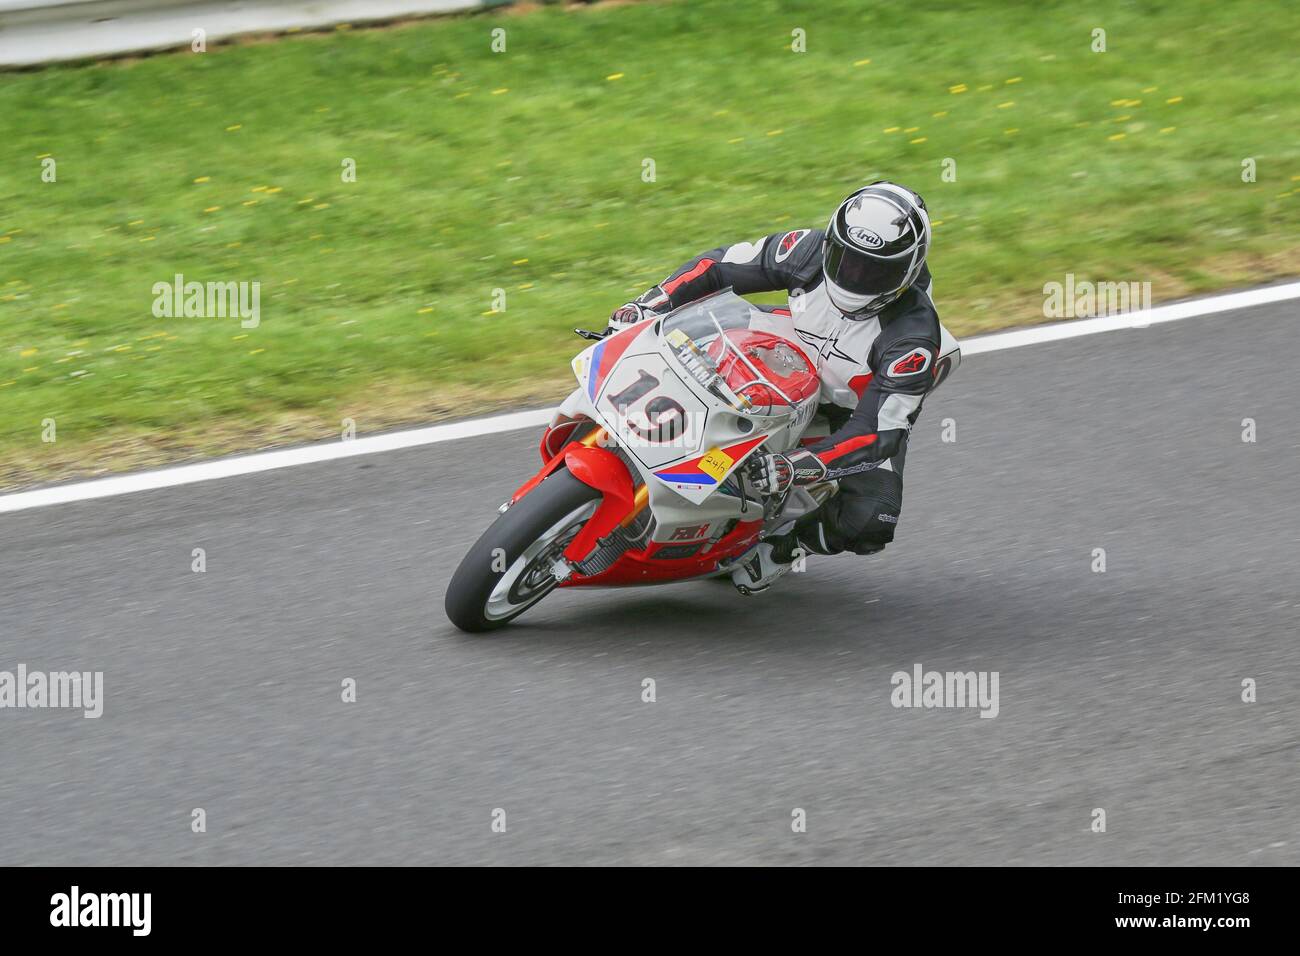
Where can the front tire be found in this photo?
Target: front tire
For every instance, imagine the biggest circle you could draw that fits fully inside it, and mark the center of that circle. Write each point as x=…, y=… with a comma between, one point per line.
x=525, y=541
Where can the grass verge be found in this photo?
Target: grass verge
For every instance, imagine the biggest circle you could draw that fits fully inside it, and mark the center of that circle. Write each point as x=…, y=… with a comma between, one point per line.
x=521, y=174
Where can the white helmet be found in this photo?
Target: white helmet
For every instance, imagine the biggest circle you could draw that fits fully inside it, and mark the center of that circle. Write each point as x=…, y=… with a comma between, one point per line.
x=875, y=247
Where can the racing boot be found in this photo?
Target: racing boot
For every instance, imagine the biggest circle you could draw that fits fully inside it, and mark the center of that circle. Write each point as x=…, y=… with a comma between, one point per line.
x=759, y=567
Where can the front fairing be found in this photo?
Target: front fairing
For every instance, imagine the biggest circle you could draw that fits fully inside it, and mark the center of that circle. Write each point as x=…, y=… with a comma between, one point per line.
x=649, y=389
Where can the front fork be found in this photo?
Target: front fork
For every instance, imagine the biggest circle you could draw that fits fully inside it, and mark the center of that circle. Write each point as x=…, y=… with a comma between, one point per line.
x=622, y=499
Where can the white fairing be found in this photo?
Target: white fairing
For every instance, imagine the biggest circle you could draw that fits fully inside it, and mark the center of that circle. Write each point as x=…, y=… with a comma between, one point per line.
x=684, y=439
x=686, y=442
x=639, y=423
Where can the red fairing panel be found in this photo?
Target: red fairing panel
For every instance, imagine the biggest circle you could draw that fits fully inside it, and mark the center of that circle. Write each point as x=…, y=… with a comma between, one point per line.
x=640, y=567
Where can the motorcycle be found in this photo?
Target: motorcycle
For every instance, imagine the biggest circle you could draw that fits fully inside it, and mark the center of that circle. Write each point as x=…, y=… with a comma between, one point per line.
x=644, y=476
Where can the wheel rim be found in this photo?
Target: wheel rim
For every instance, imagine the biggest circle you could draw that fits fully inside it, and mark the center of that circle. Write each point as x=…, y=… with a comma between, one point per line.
x=529, y=577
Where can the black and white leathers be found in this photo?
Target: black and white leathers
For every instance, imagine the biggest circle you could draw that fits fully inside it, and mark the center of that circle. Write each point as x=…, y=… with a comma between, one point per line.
x=875, y=372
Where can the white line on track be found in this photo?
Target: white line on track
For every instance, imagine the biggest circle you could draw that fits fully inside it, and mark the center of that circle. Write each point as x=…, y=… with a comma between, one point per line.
x=331, y=451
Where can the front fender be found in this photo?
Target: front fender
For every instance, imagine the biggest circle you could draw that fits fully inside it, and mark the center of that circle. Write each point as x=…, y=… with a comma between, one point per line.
x=550, y=464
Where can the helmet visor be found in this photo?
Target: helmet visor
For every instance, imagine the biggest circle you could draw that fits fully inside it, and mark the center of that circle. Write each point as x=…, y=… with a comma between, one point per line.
x=862, y=274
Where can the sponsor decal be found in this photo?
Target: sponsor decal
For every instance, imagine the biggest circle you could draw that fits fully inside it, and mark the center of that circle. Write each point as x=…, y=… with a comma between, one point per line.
x=917, y=360
x=689, y=533
x=788, y=242
x=825, y=345
x=865, y=237
x=853, y=469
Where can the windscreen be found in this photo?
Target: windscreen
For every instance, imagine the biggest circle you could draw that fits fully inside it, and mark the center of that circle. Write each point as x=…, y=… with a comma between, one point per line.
x=729, y=347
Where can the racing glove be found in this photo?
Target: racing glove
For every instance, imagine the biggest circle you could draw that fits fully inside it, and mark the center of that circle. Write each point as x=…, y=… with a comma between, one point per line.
x=774, y=474
x=626, y=316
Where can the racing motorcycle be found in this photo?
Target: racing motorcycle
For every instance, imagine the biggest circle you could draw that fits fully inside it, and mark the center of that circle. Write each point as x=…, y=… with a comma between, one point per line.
x=644, y=477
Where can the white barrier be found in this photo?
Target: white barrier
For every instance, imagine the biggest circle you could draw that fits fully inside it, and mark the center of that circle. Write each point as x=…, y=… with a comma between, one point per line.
x=47, y=31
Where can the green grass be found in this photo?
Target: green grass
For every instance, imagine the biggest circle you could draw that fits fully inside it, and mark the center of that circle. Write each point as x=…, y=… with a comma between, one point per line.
x=522, y=171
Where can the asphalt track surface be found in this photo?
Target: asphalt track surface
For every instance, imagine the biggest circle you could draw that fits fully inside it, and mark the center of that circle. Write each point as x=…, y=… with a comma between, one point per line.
x=1118, y=690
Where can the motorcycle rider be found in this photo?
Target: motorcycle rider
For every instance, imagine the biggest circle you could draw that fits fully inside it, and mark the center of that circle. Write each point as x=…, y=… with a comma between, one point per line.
x=859, y=294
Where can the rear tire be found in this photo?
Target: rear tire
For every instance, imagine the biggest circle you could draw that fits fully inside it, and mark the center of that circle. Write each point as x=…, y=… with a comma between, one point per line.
x=526, y=539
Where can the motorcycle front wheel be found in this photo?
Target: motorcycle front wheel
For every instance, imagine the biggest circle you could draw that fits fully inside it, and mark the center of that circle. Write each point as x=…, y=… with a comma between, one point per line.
x=509, y=568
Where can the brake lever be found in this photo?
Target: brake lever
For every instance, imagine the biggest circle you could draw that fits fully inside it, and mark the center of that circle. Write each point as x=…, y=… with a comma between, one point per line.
x=593, y=336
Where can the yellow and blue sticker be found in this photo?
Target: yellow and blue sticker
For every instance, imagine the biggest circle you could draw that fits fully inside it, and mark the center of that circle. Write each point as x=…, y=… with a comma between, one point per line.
x=711, y=467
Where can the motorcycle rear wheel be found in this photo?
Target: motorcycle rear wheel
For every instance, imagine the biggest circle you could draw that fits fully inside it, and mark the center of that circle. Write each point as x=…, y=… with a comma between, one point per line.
x=526, y=540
